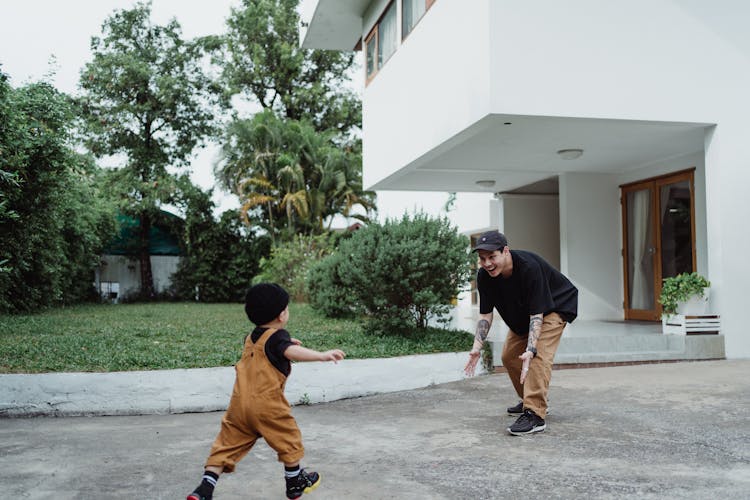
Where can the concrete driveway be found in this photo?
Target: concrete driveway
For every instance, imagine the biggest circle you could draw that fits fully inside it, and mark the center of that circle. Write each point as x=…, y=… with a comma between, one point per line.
x=679, y=430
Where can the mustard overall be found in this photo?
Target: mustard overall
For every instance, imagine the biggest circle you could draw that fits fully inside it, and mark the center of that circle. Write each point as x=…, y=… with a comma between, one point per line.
x=258, y=408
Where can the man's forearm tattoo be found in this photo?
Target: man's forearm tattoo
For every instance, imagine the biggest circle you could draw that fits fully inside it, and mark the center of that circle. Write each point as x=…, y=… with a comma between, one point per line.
x=535, y=329
x=483, y=329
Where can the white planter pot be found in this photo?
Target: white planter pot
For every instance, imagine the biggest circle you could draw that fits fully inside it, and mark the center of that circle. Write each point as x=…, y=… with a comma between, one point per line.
x=695, y=305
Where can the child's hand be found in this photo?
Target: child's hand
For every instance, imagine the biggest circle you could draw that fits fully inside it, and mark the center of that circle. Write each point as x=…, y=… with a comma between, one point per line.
x=296, y=341
x=334, y=355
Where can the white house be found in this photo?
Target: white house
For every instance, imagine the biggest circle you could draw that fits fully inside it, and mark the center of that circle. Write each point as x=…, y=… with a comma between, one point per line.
x=615, y=134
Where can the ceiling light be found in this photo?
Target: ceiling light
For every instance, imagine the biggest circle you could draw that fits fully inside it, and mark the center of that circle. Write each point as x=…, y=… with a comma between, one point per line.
x=486, y=183
x=570, y=154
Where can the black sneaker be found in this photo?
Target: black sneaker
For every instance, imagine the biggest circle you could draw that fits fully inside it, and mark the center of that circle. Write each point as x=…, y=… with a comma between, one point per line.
x=197, y=496
x=527, y=423
x=516, y=410
x=304, y=482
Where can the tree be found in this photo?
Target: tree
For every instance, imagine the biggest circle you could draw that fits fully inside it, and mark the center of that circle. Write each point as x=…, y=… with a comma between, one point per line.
x=291, y=178
x=145, y=96
x=221, y=258
x=264, y=62
x=54, y=219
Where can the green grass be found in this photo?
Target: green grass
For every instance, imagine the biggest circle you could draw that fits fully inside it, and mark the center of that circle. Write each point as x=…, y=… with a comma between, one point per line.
x=104, y=338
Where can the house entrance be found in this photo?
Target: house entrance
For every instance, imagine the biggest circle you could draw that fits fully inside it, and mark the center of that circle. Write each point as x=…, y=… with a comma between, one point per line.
x=658, y=238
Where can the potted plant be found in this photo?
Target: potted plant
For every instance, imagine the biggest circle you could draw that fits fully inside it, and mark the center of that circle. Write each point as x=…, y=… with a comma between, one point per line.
x=684, y=290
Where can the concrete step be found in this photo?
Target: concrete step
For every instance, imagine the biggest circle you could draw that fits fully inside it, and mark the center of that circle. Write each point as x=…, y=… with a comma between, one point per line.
x=632, y=348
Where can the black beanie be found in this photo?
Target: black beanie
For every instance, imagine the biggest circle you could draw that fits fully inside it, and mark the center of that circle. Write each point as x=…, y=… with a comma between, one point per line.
x=264, y=302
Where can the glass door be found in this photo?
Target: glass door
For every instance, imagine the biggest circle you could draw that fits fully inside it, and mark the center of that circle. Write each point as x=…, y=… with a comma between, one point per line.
x=659, y=241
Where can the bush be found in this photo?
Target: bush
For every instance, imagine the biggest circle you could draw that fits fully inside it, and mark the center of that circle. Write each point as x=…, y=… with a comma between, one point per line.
x=54, y=216
x=290, y=262
x=401, y=274
x=327, y=290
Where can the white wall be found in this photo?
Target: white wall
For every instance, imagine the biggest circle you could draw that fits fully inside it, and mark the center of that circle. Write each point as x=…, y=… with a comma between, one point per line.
x=127, y=272
x=429, y=90
x=532, y=222
x=661, y=60
x=590, y=243
x=728, y=165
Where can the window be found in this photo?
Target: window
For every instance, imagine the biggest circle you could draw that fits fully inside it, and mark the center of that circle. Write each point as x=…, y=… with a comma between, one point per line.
x=109, y=290
x=411, y=12
x=381, y=42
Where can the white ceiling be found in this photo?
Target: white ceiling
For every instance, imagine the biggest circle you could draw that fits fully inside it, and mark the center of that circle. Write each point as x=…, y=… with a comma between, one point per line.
x=515, y=151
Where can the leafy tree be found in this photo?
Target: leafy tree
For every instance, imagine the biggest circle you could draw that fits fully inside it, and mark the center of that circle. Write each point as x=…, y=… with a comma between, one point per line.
x=290, y=178
x=145, y=96
x=53, y=217
x=265, y=63
x=221, y=257
x=399, y=275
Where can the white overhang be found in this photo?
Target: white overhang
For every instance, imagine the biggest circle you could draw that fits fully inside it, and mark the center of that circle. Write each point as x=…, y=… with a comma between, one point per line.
x=332, y=24
x=513, y=151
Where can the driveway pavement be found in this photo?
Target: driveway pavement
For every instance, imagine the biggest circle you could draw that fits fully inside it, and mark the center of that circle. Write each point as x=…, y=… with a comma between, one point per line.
x=679, y=430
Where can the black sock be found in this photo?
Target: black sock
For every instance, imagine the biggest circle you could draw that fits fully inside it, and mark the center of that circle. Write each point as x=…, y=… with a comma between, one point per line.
x=206, y=488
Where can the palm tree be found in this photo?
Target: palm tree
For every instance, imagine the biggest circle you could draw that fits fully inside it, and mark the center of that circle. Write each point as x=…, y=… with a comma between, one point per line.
x=291, y=177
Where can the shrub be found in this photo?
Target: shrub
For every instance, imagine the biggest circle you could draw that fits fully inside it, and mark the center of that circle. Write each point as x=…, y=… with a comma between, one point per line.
x=327, y=290
x=290, y=262
x=401, y=274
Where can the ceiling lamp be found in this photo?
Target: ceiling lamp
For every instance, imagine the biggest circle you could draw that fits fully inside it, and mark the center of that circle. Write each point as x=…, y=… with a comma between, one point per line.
x=570, y=154
x=486, y=183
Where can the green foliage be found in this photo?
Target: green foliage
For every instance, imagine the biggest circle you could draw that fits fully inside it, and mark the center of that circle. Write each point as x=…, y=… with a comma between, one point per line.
x=263, y=61
x=327, y=289
x=221, y=257
x=291, y=178
x=680, y=288
x=289, y=262
x=400, y=274
x=145, y=96
x=105, y=338
x=298, y=163
x=53, y=216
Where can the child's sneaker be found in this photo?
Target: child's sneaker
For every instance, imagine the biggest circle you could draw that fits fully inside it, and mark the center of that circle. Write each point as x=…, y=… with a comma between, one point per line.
x=197, y=496
x=304, y=482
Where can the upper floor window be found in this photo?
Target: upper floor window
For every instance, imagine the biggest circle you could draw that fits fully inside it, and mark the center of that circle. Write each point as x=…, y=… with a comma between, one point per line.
x=382, y=40
x=411, y=12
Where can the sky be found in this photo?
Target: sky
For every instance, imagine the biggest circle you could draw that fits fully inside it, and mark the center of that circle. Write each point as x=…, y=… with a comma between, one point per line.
x=33, y=32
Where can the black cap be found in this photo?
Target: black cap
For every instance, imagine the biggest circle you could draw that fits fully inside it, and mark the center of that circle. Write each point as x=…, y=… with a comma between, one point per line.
x=491, y=241
x=264, y=302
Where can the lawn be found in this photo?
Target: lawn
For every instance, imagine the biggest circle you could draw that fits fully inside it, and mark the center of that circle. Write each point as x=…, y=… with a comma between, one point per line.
x=104, y=338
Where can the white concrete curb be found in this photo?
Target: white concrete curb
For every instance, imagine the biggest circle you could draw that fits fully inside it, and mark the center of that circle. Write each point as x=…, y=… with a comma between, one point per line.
x=209, y=389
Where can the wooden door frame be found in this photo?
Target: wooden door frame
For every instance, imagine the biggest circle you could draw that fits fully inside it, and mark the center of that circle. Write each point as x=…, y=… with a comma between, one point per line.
x=654, y=184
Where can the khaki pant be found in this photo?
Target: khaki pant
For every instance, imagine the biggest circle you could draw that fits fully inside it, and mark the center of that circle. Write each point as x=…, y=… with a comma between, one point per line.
x=534, y=390
x=258, y=408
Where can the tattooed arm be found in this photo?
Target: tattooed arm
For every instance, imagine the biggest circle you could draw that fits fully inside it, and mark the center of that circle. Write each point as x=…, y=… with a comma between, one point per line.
x=535, y=330
x=483, y=329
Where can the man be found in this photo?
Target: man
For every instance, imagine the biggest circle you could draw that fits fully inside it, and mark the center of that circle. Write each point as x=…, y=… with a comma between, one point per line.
x=536, y=301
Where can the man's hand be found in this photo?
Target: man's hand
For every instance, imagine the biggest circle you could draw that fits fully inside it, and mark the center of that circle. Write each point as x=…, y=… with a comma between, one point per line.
x=471, y=365
x=526, y=357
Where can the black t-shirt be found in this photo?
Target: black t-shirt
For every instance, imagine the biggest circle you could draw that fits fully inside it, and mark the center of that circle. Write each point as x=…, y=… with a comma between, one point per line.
x=534, y=287
x=275, y=347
